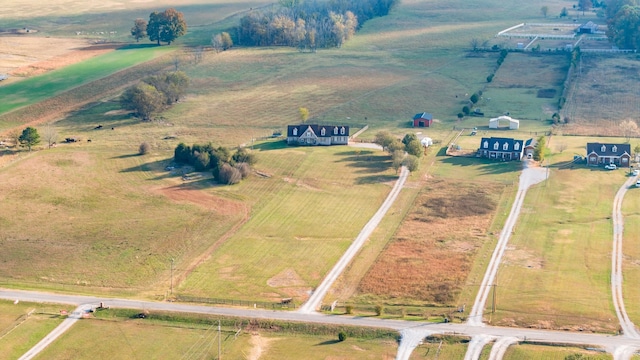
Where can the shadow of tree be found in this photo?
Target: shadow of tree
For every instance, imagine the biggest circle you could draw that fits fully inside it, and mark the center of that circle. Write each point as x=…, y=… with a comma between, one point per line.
x=328, y=342
x=486, y=166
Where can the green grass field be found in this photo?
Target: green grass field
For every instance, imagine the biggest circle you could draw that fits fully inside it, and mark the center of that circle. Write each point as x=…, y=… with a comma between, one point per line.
x=109, y=337
x=631, y=250
x=311, y=209
x=564, y=247
x=112, y=225
x=22, y=325
x=535, y=352
x=32, y=90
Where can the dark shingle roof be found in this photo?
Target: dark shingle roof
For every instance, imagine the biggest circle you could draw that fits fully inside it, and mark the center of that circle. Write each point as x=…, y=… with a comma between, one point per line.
x=317, y=129
x=490, y=142
x=609, y=149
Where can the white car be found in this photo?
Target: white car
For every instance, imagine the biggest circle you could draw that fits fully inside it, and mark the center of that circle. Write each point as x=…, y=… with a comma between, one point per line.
x=636, y=172
x=610, y=166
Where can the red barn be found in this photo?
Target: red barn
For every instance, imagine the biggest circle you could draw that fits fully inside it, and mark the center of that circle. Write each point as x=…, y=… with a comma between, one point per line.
x=422, y=120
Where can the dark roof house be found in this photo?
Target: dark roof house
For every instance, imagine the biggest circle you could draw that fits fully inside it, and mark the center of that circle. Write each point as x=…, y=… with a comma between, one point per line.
x=305, y=134
x=504, y=149
x=598, y=153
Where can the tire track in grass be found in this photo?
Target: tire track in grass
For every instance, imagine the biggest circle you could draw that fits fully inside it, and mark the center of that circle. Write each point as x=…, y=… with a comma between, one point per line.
x=628, y=327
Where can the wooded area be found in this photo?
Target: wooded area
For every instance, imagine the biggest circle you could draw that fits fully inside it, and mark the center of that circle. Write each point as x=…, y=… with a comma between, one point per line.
x=309, y=25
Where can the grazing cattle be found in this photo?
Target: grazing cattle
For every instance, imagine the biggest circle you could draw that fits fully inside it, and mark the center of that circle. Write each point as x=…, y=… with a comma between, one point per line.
x=88, y=140
x=98, y=127
x=113, y=128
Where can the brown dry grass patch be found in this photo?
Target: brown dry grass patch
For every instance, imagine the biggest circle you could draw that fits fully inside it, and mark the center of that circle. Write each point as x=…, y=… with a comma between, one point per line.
x=195, y=196
x=604, y=93
x=23, y=56
x=433, y=251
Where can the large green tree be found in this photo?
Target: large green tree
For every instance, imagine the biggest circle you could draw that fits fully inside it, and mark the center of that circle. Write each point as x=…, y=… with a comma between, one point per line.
x=539, y=149
x=166, y=26
x=29, y=137
x=144, y=99
x=172, y=85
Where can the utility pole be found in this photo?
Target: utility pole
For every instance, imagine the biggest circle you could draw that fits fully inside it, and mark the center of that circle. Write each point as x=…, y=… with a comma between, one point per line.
x=171, y=276
x=493, y=302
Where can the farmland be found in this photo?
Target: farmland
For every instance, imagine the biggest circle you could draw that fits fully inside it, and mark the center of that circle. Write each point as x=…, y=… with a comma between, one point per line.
x=96, y=217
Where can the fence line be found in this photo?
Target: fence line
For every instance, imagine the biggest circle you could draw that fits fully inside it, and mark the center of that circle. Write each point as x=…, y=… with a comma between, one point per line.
x=284, y=304
x=608, y=50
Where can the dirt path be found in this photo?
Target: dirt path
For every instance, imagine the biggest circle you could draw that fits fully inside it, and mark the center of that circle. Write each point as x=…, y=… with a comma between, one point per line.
x=530, y=175
x=259, y=345
x=628, y=328
x=500, y=347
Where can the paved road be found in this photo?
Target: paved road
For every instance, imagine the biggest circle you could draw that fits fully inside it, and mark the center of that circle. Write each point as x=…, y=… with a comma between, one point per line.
x=419, y=330
x=628, y=328
x=321, y=291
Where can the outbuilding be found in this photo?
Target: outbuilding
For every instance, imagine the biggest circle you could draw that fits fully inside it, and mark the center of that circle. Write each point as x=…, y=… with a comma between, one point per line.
x=422, y=120
x=495, y=122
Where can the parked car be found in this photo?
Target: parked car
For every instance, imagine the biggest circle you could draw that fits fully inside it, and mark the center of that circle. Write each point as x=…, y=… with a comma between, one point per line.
x=636, y=172
x=610, y=166
x=638, y=183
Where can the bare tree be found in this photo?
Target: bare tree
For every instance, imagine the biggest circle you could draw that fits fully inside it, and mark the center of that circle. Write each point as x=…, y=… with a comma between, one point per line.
x=216, y=43
x=474, y=43
x=14, y=135
x=197, y=54
x=629, y=128
x=177, y=58
x=50, y=135
x=561, y=147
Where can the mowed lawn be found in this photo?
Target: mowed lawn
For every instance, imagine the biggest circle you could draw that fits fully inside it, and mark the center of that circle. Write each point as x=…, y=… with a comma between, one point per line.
x=527, y=86
x=310, y=210
x=142, y=339
x=32, y=90
x=556, y=270
x=540, y=352
x=92, y=217
x=22, y=325
x=631, y=250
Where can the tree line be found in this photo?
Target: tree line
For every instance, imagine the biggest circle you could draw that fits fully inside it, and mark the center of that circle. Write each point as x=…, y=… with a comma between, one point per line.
x=227, y=168
x=155, y=93
x=309, y=24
